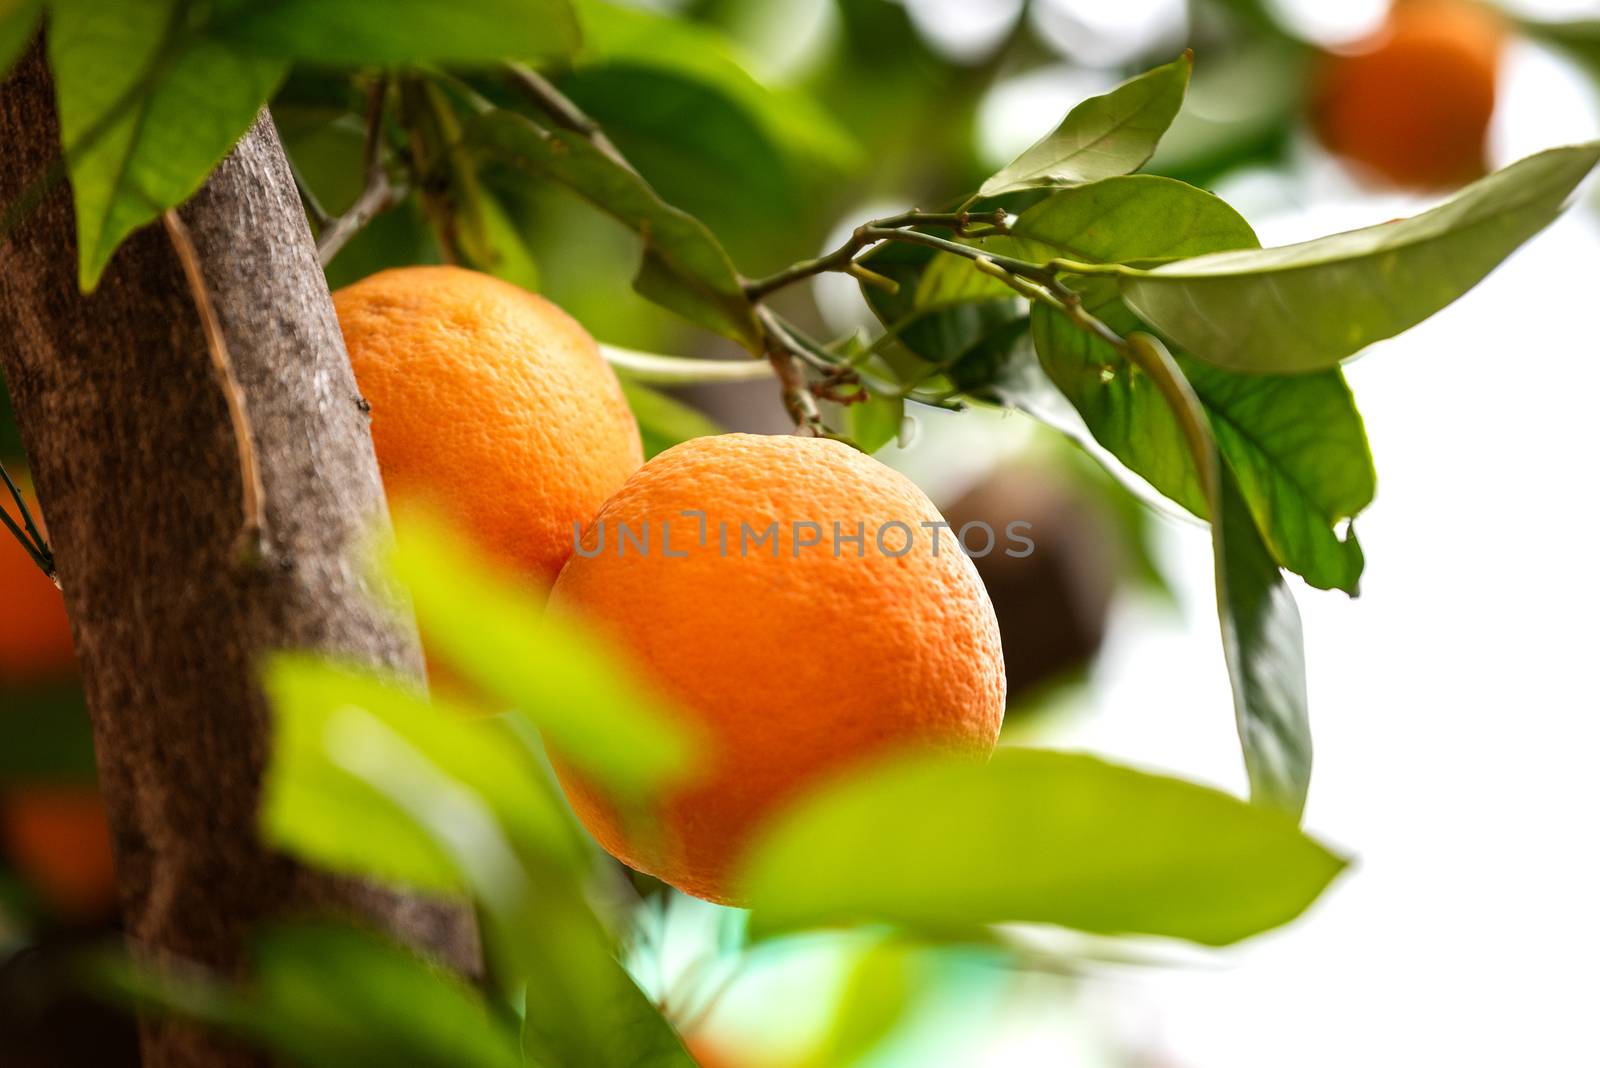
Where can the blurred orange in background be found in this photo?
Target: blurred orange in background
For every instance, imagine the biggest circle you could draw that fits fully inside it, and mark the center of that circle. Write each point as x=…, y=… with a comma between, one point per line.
x=1412, y=103
x=57, y=838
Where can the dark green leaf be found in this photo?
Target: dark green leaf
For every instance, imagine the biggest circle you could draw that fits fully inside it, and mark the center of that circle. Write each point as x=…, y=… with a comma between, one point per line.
x=1104, y=136
x=349, y=32
x=1305, y=307
x=147, y=110
x=1035, y=836
x=1295, y=442
x=664, y=421
x=19, y=19
x=684, y=268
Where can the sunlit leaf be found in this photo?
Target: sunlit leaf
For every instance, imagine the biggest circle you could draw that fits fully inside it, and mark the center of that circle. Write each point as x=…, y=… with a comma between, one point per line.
x=402, y=31
x=323, y=798
x=1305, y=307
x=1035, y=836
x=874, y=422
x=583, y=696
x=1135, y=218
x=684, y=268
x=1106, y=135
x=147, y=109
x=883, y=983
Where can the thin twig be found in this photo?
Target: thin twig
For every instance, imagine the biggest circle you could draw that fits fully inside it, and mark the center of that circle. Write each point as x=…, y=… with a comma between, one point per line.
x=32, y=539
x=870, y=233
x=252, y=533
x=379, y=195
x=550, y=100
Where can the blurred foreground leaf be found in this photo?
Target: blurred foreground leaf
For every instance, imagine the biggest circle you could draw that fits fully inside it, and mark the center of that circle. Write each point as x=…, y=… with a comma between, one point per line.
x=322, y=995
x=586, y=700
x=1035, y=836
x=19, y=19
x=1305, y=307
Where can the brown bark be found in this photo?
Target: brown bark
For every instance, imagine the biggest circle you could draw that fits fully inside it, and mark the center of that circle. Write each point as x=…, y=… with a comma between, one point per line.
x=135, y=465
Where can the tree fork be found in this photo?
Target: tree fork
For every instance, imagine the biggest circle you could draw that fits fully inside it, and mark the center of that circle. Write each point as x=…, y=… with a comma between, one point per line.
x=136, y=467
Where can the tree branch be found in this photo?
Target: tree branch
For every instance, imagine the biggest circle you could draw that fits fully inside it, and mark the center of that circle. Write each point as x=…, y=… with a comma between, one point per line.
x=379, y=195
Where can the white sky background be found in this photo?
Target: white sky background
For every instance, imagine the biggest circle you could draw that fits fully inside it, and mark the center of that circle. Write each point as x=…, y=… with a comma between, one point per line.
x=1454, y=704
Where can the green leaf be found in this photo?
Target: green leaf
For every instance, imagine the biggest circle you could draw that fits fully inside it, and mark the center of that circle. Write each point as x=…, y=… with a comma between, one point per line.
x=1579, y=39
x=883, y=984
x=327, y=996
x=1103, y=136
x=874, y=422
x=683, y=269
x=627, y=37
x=19, y=19
x=664, y=421
x=148, y=109
x=1135, y=218
x=1305, y=307
x=351, y=32
x=582, y=695
x=1264, y=647
x=324, y=797
x=1296, y=443
x=1035, y=836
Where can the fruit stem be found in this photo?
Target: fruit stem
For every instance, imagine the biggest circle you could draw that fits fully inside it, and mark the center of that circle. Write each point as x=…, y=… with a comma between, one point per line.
x=653, y=368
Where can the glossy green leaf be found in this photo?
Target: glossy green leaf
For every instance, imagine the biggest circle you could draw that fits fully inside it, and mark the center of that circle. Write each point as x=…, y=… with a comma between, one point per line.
x=683, y=269
x=621, y=36
x=581, y=694
x=148, y=109
x=327, y=996
x=349, y=32
x=1106, y=135
x=664, y=421
x=324, y=796
x=1137, y=218
x=874, y=422
x=1296, y=443
x=19, y=20
x=1035, y=836
x=1305, y=307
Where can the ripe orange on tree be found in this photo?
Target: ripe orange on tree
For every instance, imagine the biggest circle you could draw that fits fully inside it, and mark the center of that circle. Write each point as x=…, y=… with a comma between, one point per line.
x=1413, y=103
x=796, y=656
x=492, y=403
x=35, y=637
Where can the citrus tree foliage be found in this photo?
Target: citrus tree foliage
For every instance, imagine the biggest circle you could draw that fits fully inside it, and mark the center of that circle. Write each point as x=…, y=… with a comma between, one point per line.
x=1136, y=314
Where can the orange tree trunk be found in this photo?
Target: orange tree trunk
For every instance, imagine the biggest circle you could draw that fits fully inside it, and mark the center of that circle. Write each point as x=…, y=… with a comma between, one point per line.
x=134, y=461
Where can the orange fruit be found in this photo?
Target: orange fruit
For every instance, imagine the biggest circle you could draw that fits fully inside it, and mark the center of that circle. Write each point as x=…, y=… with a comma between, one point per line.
x=795, y=660
x=57, y=837
x=490, y=402
x=35, y=637
x=1413, y=103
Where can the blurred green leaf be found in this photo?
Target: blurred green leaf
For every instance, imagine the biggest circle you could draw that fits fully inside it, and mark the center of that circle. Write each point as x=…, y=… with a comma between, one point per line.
x=619, y=36
x=1579, y=39
x=324, y=798
x=19, y=19
x=1035, y=836
x=148, y=108
x=327, y=996
x=1305, y=307
x=664, y=421
x=684, y=268
x=350, y=32
x=883, y=983
x=585, y=699
x=1106, y=135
